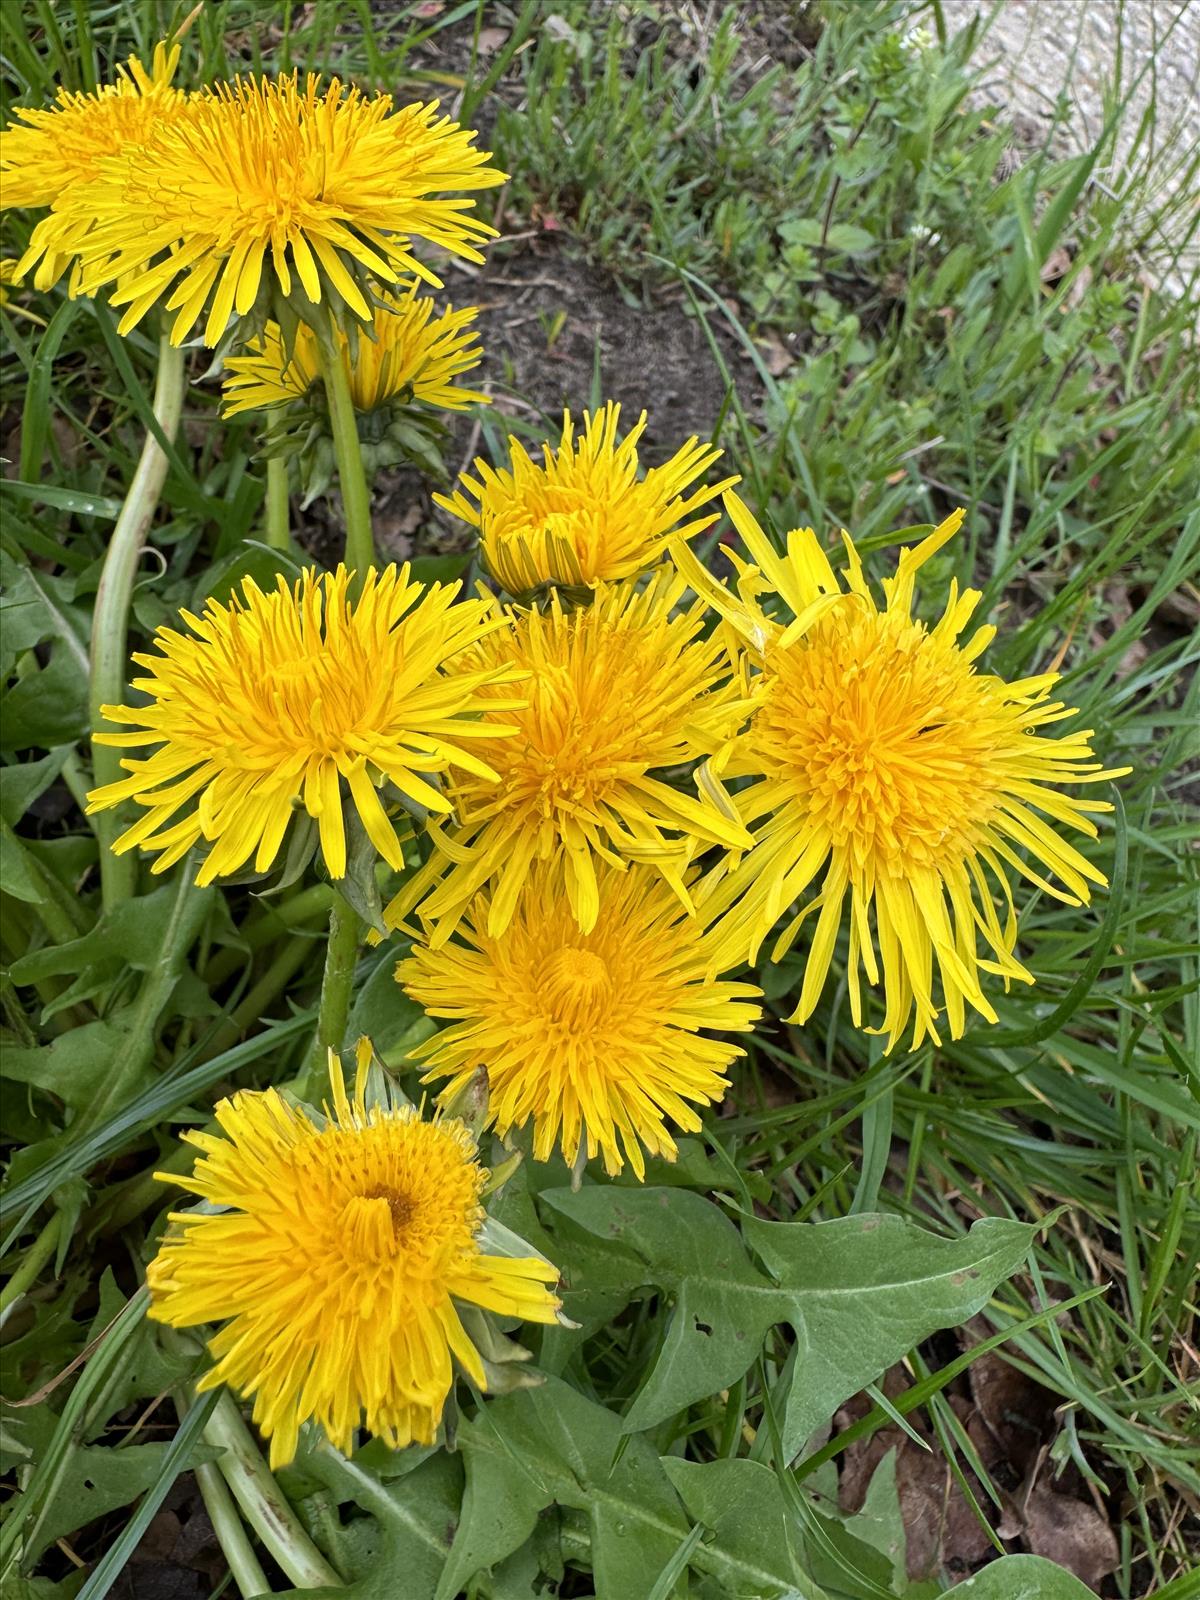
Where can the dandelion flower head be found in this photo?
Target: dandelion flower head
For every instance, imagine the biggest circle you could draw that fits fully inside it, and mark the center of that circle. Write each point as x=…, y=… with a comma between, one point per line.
x=896, y=776
x=618, y=692
x=276, y=700
x=599, y=1038
x=412, y=353
x=340, y=1261
x=47, y=156
x=286, y=187
x=584, y=515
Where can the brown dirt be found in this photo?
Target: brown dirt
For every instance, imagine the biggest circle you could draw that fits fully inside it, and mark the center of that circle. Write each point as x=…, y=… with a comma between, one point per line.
x=548, y=321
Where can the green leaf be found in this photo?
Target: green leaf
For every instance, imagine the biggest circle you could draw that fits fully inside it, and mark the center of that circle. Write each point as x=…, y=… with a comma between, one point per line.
x=76, y=500
x=538, y=1447
x=869, y=1288
x=359, y=887
x=38, y=606
x=403, y=1546
x=1021, y=1578
x=22, y=782
x=18, y=875
x=740, y=1502
x=131, y=935
x=439, y=569
x=36, y=411
x=852, y=241
x=45, y=1588
x=58, y=1160
x=147, y=1369
x=881, y=1523
x=383, y=1011
x=842, y=236
x=858, y=1292
x=99, y=1479
x=800, y=230
x=47, y=708
x=72, y=1065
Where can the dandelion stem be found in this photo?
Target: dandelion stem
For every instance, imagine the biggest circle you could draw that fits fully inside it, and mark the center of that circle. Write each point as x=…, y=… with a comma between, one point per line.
x=227, y=1525
x=352, y=476
x=110, y=619
x=35, y=1258
x=263, y=1503
x=278, y=508
x=340, y=956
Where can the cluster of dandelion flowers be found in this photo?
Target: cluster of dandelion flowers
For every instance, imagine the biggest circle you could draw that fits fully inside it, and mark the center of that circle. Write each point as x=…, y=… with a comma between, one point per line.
x=584, y=515
x=49, y=156
x=896, y=772
x=599, y=1038
x=277, y=699
x=411, y=353
x=618, y=692
x=339, y=1265
x=281, y=187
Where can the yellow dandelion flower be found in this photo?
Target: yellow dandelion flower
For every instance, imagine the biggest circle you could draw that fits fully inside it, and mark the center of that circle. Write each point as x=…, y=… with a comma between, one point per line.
x=277, y=699
x=55, y=153
x=339, y=1265
x=584, y=515
x=618, y=692
x=412, y=352
x=9, y=278
x=274, y=186
x=597, y=1037
x=889, y=765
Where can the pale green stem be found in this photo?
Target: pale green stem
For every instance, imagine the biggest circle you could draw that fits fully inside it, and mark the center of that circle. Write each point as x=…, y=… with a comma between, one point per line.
x=34, y=1259
x=263, y=1503
x=279, y=535
x=231, y=1535
x=110, y=618
x=340, y=956
x=352, y=476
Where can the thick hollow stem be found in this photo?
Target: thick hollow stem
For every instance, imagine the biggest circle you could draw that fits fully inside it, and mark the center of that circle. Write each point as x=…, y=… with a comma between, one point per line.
x=235, y=1543
x=110, y=619
x=263, y=1503
x=352, y=476
x=279, y=535
x=340, y=956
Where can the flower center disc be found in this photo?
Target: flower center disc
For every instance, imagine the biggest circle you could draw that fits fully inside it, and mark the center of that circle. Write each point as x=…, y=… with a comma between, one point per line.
x=374, y=1223
x=888, y=739
x=576, y=985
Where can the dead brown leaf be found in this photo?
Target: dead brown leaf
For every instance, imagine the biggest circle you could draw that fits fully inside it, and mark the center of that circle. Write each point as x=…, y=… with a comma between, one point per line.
x=1071, y=1532
x=943, y=1533
x=1056, y=264
x=1016, y=1412
x=777, y=356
